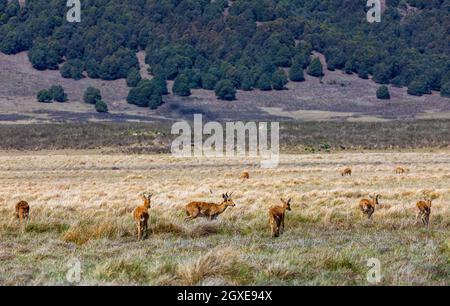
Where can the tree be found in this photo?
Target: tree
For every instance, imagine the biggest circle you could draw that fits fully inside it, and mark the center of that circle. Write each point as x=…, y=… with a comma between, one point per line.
x=57, y=93
x=296, y=73
x=225, y=90
x=92, y=95
x=445, y=89
x=418, y=87
x=44, y=96
x=348, y=68
x=209, y=81
x=279, y=80
x=264, y=83
x=181, y=86
x=315, y=69
x=101, y=106
x=155, y=101
x=133, y=77
x=147, y=93
x=383, y=93
x=161, y=83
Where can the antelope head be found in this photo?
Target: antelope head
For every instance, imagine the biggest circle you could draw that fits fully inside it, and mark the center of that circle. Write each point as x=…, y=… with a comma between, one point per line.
x=227, y=200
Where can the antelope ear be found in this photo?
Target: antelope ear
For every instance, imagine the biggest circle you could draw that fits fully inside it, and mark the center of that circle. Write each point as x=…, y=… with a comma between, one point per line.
x=282, y=200
x=224, y=196
x=289, y=201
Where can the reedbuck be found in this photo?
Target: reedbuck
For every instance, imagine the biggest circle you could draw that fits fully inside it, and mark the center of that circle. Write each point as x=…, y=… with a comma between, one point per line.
x=245, y=176
x=400, y=170
x=367, y=206
x=141, y=216
x=424, y=211
x=276, y=217
x=23, y=211
x=208, y=210
x=346, y=171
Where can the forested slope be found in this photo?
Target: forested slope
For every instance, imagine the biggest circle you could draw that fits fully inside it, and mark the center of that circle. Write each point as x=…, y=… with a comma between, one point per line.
x=243, y=43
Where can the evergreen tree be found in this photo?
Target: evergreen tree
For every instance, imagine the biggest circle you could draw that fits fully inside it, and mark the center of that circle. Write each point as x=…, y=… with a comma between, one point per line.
x=315, y=69
x=44, y=96
x=445, y=89
x=225, y=90
x=181, y=86
x=57, y=93
x=279, y=80
x=133, y=77
x=209, y=81
x=419, y=87
x=296, y=73
x=383, y=93
x=101, y=106
x=264, y=83
x=92, y=95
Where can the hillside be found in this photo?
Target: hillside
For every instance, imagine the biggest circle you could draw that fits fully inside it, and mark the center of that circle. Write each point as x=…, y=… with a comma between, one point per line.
x=251, y=46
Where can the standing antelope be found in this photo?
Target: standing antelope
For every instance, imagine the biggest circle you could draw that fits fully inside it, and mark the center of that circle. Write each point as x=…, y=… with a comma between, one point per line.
x=368, y=206
x=23, y=211
x=400, y=170
x=141, y=216
x=245, y=176
x=208, y=210
x=276, y=217
x=424, y=211
x=346, y=171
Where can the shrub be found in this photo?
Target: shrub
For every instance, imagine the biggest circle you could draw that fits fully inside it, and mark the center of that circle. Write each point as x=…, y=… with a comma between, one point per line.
x=445, y=90
x=418, y=87
x=279, y=80
x=264, y=83
x=133, y=77
x=92, y=95
x=181, y=86
x=296, y=73
x=225, y=90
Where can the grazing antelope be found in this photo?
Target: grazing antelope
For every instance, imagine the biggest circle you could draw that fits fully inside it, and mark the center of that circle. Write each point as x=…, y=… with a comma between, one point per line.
x=245, y=176
x=424, y=211
x=141, y=216
x=208, y=210
x=23, y=211
x=346, y=171
x=400, y=170
x=276, y=217
x=368, y=206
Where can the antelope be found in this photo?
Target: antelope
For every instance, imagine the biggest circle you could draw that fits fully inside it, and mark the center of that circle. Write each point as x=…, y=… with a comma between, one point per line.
x=276, y=217
x=400, y=170
x=346, y=171
x=208, y=210
x=368, y=206
x=23, y=211
x=424, y=211
x=245, y=176
x=141, y=216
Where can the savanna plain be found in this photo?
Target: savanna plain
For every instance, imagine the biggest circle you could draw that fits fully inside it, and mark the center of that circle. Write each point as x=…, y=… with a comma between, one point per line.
x=82, y=202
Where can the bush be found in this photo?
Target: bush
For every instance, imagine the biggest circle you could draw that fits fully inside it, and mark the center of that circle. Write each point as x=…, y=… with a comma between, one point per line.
x=383, y=93
x=92, y=95
x=225, y=90
x=72, y=69
x=181, y=86
x=57, y=93
x=101, y=106
x=209, y=81
x=148, y=93
x=44, y=96
x=315, y=69
x=279, y=80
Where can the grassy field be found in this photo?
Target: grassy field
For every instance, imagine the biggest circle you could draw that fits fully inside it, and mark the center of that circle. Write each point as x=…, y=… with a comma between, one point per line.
x=81, y=204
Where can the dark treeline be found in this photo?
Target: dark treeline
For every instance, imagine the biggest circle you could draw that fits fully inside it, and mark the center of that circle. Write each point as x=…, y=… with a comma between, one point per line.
x=209, y=44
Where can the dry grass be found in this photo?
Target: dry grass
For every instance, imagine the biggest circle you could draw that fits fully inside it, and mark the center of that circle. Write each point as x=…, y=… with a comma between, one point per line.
x=81, y=207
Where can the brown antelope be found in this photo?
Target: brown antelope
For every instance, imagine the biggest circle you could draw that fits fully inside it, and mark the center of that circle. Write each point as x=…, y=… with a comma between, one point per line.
x=400, y=170
x=368, y=206
x=424, y=211
x=23, y=211
x=245, y=176
x=346, y=171
x=276, y=217
x=208, y=210
x=141, y=215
